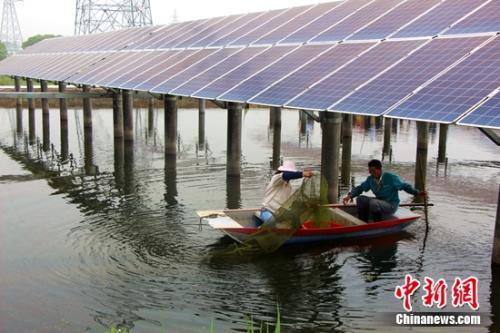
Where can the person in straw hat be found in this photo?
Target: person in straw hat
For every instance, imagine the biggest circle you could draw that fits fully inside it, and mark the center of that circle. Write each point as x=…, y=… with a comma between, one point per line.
x=279, y=189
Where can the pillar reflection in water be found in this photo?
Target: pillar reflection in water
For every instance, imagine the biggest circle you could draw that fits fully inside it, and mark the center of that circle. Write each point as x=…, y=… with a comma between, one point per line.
x=171, y=179
x=19, y=107
x=233, y=192
x=128, y=167
x=89, y=167
x=119, y=162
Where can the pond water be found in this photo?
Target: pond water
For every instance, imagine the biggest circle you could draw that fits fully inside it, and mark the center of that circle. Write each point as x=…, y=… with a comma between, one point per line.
x=120, y=245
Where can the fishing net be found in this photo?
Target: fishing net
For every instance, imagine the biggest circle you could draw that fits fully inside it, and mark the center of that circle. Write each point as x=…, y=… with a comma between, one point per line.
x=305, y=208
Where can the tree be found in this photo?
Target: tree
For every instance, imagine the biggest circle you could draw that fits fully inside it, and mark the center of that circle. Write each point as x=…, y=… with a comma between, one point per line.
x=35, y=39
x=3, y=51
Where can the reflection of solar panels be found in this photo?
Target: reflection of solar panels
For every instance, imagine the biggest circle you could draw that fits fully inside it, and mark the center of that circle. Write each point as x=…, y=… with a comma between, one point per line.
x=355, y=56
x=486, y=115
x=458, y=90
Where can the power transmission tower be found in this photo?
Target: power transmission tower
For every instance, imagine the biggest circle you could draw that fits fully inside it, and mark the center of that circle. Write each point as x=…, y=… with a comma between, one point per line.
x=10, y=32
x=93, y=16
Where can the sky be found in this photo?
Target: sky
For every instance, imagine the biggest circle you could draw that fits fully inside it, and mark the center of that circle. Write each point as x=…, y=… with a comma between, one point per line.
x=58, y=16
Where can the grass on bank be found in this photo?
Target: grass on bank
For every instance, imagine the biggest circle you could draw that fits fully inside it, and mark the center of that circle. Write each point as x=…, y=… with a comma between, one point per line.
x=263, y=328
x=6, y=80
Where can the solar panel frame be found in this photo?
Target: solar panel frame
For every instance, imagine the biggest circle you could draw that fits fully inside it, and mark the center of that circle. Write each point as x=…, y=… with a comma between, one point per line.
x=486, y=115
x=388, y=24
x=357, y=21
x=229, y=64
x=245, y=71
x=333, y=17
x=450, y=95
x=486, y=19
x=379, y=94
x=175, y=68
x=336, y=85
x=262, y=80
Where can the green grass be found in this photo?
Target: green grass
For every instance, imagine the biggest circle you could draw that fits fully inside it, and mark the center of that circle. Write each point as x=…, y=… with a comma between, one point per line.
x=9, y=81
x=263, y=328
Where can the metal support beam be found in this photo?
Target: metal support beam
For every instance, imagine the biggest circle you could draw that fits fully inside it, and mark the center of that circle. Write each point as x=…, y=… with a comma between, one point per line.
x=421, y=158
x=45, y=117
x=330, y=152
x=31, y=112
x=346, y=149
x=495, y=258
x=63, y=118
x=491, y=134
x=387, y=136
x=19, y=106
x=170, y=125
x=276, y=137
x=443, y=137
x=201, y=123
x=128, y=117
x=234, y=113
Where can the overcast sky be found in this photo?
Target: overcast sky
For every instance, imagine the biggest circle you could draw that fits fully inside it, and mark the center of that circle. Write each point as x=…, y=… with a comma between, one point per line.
x=58, y=16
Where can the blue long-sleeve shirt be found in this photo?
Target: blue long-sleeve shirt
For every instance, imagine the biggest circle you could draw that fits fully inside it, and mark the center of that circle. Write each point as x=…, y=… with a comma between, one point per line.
x=388, y=188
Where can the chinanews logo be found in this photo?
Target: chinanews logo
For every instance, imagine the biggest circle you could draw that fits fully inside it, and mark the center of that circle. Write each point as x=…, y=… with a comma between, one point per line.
x=463, y=295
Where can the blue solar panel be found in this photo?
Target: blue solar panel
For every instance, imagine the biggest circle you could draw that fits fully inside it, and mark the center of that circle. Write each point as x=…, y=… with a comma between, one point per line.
x=455, y=92
x=262, y=80
x=383, y=92
x=329, y=19
x=395, y=19
x=487, y=115
x=209, y=27
x=330, y=90
x=486, y=19
x=196, y=69
x=292, y=85
x=358, y=19
x=439, y=18
x=216, y=72
x=105, y=77
x=243, y=72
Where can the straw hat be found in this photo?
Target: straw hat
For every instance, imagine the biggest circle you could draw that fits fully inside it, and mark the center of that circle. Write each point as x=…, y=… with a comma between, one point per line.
x=288, y=166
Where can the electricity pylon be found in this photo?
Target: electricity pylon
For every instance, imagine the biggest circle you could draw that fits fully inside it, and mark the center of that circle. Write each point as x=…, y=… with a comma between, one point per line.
x=93, y=16
x=10, y=32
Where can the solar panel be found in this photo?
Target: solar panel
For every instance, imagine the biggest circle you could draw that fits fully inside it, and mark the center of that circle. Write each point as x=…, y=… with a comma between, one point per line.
x=358, y=20
x=196, y=69
x=159, y=35
x=455, y=92
x=254, y=23
x=262, y=80
x=395, y=19
x=84, y=76
x=210, y=26
x=188, y=29
x=327, y=62
x=439, y=18
x=330, y=90
x=215, y=72
x=384, y=91
x=298, y=22
x=270, y=25
x=246, y=70
x=172, y=69
x=58, y=65
x=104, y=77
x=36, y=64
x=486, y=115
x=486, y=19
x=153, y=63
x=87, y=59
x=332, y=17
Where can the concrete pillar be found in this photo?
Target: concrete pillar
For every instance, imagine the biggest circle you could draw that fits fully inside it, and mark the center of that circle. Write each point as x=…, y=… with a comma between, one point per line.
x=117, y=116
x=495, y=258
x=170, y=103
x=63, y=119
x=234, y=113
x=171, y=180
x=271, y=118
x=128, y=167
x=233, y=192
x=87, y=134
x=421, y=158
x=19, y=106
x=330, y=153
x=31, y=112
x=443, y=137
x=346, y=148
x=201, y=123
x=87, y=109
x=303, y=123
x=128, y=117
x=45, y=117
x=151, y=116
x=387, y=136
x=276, y=137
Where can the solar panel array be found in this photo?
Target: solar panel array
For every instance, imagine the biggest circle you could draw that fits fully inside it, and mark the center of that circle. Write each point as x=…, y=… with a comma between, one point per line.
x=430, y=60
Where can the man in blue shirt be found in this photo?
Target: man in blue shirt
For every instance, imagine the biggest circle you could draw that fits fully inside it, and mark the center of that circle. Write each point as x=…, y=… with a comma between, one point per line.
x=385, y=186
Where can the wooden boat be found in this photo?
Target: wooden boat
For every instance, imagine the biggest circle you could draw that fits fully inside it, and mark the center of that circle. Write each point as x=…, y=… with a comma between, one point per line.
x=239, y=224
